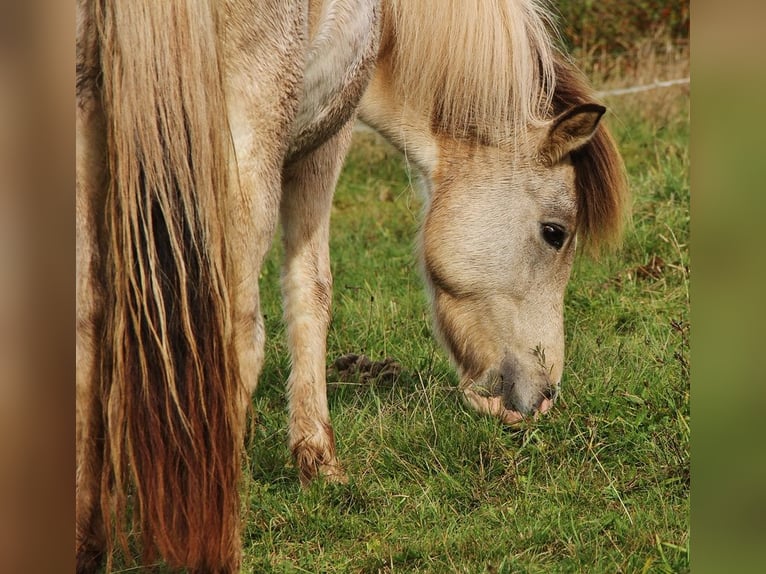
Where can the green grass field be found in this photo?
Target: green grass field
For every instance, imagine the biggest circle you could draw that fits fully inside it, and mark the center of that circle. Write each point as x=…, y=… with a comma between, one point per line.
x=600, y=484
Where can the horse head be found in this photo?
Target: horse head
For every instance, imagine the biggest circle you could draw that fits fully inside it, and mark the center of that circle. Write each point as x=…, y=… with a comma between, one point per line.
x=497, y=249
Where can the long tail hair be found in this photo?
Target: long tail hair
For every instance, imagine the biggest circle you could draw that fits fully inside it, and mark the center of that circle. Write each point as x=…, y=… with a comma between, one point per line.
x=169, y=378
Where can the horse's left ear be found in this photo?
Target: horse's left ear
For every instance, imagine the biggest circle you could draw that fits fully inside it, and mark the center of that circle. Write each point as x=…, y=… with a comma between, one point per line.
x=570, y=131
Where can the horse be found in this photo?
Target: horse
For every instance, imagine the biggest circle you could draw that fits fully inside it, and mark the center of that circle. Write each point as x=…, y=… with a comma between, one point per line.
x=203, y=125
x=515, y=167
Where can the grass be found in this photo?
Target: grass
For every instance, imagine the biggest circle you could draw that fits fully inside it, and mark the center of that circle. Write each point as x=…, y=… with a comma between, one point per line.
x=601, y=484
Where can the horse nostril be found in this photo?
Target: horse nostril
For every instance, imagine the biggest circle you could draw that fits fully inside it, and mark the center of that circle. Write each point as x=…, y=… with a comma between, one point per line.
x=548, y=396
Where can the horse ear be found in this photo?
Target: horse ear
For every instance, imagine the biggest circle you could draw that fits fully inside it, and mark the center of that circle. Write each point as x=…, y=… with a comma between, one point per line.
x=570, y=131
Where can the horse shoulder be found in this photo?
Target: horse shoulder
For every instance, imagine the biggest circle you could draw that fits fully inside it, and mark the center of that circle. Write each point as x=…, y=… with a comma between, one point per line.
x=342, y=47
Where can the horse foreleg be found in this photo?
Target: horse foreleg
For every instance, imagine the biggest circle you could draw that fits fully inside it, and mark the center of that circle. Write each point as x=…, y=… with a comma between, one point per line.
x=254, y=211
x=308, y=188
x=263, y=59
x=90, y=540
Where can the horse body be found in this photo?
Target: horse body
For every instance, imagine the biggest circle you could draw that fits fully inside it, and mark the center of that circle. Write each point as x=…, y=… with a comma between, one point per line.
x=201, y=126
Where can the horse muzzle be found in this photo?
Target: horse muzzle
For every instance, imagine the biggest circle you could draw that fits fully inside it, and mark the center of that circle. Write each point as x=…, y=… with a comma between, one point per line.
x=520, y=391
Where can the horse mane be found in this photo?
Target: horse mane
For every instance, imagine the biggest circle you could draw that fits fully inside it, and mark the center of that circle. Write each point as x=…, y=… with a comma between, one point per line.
x=600, y=180
x=495, y=72
x=491, y=62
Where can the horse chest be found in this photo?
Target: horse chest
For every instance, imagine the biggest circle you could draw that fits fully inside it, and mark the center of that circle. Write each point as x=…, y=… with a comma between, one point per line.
x=343, y=44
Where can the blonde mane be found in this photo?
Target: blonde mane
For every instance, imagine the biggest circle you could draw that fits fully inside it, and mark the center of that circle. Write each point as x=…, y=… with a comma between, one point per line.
x=491, y=70
x=496, y=61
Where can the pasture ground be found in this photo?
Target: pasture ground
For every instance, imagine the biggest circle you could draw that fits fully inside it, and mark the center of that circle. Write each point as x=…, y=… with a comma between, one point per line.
x=600, y=484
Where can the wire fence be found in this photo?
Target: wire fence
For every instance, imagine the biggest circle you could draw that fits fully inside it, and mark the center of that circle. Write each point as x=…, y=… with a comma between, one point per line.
x=644, y=88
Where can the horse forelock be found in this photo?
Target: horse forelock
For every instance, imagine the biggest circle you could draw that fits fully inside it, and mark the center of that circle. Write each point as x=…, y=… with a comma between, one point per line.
x=483, y=66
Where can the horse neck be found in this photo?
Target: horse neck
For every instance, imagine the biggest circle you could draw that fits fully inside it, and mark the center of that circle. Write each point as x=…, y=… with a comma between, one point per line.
x=406, y=127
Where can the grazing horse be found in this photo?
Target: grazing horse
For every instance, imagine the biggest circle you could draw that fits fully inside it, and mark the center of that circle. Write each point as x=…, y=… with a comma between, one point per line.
x=201, y=125
x=515, y=165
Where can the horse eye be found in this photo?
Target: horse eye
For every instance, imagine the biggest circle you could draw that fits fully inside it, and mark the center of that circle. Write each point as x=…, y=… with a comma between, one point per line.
x=554, y=235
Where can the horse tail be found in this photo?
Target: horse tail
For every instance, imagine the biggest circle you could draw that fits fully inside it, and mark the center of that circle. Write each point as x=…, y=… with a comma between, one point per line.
x=169, y=378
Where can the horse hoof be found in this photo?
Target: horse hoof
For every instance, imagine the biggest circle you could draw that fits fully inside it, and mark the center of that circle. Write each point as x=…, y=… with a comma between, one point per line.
x=333, y=473
x=315, y=462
